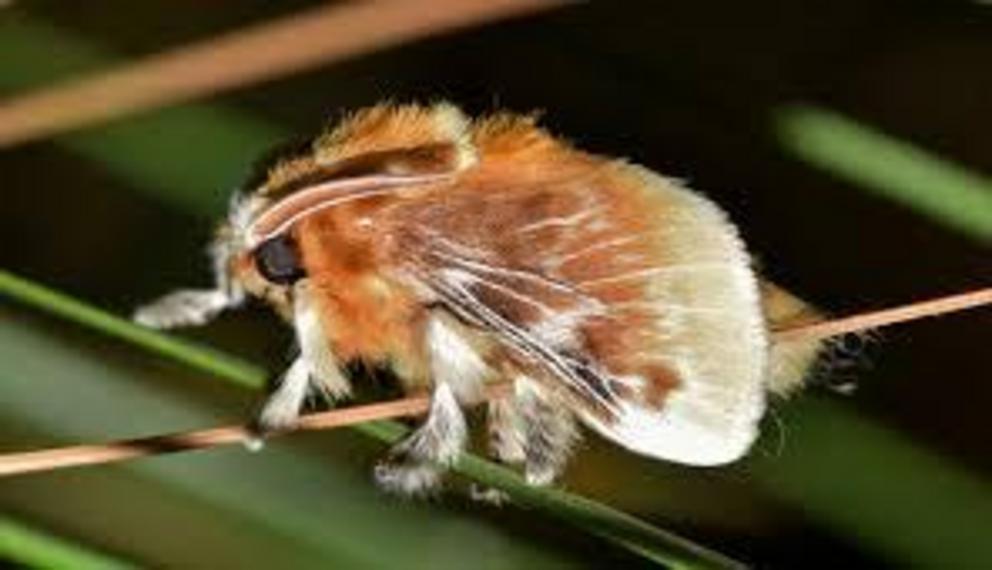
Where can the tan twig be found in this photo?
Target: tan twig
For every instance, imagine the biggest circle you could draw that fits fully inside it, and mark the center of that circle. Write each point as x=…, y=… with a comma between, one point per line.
x=76, y=455
x=264, y=52
x=885, y=317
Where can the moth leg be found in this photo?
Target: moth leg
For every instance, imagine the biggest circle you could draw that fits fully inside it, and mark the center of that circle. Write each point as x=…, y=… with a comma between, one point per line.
x=184, y=308
x=314, y=373
x=507, y=432
x=550, y=432
x=457, y=371
x=283, y=405
x=326, y=379
x=507, y=445
x=415, y=465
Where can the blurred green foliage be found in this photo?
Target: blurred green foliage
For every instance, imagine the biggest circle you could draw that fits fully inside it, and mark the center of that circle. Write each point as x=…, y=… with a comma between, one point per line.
x=41, y=550
x=937, y=188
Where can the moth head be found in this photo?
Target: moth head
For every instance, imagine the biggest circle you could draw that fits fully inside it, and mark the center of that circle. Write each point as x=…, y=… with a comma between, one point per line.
x=267, y=269
x=384, y=150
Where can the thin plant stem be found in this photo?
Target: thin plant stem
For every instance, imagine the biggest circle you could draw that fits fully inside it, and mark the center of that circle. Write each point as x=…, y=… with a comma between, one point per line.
x=293, y=44
x=886, y=317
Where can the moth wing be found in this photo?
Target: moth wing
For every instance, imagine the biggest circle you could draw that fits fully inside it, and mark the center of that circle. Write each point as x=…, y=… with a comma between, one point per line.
x=704, y=327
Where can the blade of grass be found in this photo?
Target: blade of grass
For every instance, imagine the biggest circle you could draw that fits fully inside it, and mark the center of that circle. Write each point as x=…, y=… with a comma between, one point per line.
x=933, y=186
x=601, y=520
x=214, y=362
x=34, y=548
x=909, y=503
x=597, y=518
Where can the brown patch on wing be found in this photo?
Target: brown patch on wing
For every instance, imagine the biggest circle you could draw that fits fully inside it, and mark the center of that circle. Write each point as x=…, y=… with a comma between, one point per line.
x=534, y=205
x=660, y=380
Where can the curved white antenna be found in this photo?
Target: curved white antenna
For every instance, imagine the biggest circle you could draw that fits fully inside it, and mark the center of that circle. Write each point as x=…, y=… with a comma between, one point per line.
x=281, y=215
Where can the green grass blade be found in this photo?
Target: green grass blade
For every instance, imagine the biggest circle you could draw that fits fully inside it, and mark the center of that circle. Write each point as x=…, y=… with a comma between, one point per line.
x=625, y=530
x=937, y=188
x=34, y=548
x=597, y=518
x=905, y=501
x=61, y=305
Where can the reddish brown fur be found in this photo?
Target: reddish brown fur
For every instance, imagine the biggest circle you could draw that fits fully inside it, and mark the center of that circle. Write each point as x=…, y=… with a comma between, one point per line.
x=523, y=176
x=366, y=315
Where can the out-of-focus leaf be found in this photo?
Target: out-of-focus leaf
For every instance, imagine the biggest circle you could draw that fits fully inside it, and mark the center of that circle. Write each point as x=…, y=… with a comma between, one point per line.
x=900, y=499
x=34, y=548
x=935, y=187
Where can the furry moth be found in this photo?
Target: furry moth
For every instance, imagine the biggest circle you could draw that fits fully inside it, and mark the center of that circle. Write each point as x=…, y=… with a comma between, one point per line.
x=461, y=252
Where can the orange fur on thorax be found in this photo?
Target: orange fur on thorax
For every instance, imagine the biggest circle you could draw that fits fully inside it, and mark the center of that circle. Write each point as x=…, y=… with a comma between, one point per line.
x=366, y=314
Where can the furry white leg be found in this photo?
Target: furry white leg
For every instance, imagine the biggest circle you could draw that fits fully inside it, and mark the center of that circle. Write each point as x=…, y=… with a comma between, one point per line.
x=184, y=308
x=550, y=432
x=453, y=360
x=507, y=431
x=283, y=406
x=314, y=372
x=325, y=374
x=415, y=465
x=507, y=444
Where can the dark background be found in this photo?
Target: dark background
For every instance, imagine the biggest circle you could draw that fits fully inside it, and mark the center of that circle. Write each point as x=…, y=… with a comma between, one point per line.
x=689, y=89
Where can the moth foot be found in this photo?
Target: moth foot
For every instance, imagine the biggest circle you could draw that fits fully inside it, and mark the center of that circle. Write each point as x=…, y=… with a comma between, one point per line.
x=254, y=443
x=488, y=495
x=188, y=307
x=540, y=477
x=412, y=479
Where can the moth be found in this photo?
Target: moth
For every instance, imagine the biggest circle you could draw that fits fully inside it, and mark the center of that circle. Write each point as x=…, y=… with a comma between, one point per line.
x=460, y=252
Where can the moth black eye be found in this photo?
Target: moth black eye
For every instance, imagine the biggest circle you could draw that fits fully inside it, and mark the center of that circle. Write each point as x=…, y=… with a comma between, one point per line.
x=278, y=261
